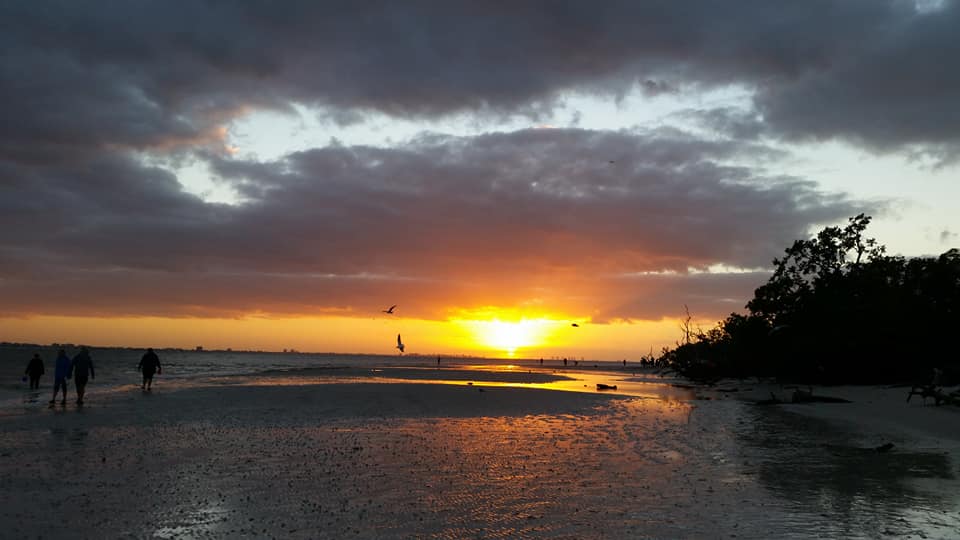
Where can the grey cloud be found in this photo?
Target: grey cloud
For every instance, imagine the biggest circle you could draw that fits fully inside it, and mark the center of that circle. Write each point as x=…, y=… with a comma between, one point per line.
x=497, y=195
x=160, y=74
x=729, y=122
x=546, y=215
x=652, y=88
x=898, y=90
x=555, y=216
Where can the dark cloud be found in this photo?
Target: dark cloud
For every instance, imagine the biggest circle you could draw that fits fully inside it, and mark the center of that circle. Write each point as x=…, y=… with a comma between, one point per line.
x=152, y=74
x=897, y=90
x=95, y=98
x=728, y=122
x=546, y=216
x=652, y=88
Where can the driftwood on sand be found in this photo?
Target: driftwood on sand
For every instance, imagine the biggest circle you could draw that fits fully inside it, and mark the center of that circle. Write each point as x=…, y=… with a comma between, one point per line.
x=806, y=396
x=802, y=396
x=934, y=391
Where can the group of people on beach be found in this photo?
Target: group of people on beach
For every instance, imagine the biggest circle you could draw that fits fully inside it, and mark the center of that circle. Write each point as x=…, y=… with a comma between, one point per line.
x=80, y=369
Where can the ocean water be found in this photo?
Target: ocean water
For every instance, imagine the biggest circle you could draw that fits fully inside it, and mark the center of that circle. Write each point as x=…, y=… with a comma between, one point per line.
x=116, y=368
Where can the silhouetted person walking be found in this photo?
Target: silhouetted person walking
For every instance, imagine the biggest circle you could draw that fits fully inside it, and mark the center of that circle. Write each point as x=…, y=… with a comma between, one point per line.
x=34, y=371
x=149, y=364
x=82, y=369
x=60, y=375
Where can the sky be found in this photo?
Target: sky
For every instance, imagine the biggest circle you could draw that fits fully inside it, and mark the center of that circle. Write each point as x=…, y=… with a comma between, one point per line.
x=267, y=175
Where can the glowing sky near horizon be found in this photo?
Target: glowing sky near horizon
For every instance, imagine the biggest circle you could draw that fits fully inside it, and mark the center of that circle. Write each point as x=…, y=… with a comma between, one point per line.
x=249, y=174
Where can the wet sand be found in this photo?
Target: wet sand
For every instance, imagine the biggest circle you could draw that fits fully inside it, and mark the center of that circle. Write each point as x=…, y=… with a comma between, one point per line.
x=297, y=456
x=882, y=411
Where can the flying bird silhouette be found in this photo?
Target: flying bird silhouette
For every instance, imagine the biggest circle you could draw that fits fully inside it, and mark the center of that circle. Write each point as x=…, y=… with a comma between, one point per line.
x=575, y=325
x=389, y=310
x=399, y=344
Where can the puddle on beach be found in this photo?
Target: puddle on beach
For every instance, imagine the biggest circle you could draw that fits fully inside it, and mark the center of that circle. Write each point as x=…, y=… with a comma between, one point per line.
x=817, y=468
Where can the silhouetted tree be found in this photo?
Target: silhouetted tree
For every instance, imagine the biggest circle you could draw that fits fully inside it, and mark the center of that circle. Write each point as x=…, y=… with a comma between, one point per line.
x=837, y=309
x=813, y=263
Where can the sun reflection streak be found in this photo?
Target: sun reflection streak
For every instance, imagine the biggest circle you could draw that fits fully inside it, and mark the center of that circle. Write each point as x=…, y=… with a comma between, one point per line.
x=479, y=376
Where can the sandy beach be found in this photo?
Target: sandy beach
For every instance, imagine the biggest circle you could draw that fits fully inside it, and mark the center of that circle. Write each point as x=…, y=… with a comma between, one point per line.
x=392, y=454
x=880, y=410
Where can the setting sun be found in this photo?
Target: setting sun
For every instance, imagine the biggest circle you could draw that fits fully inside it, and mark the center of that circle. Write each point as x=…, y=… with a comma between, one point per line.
x=510, y=336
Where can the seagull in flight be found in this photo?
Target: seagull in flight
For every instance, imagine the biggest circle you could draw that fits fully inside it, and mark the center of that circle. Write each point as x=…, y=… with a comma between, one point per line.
x=399, y=344
x=575, y=325
x=389, y=310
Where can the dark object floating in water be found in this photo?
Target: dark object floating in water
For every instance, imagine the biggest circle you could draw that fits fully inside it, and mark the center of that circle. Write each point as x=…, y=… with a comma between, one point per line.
x=884, y=447
x=601, y=386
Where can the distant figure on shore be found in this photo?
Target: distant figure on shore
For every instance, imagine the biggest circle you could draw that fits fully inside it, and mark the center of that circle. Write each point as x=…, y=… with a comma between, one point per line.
x=60, y=375
x=34, y=371
x=149, y=364
x=564, y=361
x=82, y=368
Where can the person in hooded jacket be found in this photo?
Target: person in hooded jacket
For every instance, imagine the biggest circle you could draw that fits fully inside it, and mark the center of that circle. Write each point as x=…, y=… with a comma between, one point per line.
x=60, y=375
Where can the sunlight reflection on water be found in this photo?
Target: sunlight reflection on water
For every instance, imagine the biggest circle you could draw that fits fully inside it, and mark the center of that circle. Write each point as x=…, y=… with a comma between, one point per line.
x=478, y=376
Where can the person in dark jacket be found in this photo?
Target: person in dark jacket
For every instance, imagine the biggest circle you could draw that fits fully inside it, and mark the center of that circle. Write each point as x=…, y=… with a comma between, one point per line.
x=34, y=371
x=149, y=364
x=82, y=369
x=60, y=375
